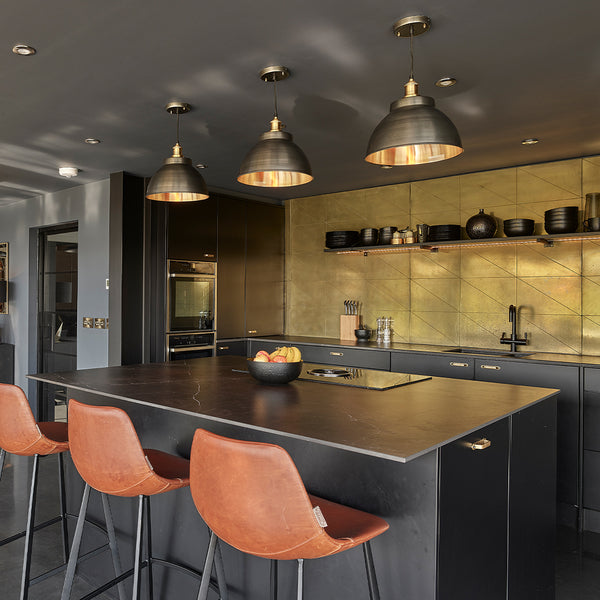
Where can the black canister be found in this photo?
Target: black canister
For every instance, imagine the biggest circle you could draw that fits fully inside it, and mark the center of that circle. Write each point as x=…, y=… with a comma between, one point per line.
x=481, y=226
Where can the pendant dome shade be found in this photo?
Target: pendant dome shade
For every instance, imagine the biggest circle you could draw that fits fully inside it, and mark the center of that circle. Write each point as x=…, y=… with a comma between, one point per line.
x=414, y=132
x=177, y=181
x=275, y=161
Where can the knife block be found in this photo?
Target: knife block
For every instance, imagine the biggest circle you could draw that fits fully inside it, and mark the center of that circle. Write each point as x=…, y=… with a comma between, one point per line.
x=348, y=323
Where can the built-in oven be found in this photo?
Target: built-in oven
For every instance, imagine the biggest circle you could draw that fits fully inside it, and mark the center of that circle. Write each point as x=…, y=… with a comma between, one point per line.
x=191, y=305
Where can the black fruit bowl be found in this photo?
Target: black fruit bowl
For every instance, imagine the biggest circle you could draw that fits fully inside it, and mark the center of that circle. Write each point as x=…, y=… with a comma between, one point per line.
x=514, y=227
x=274, y=373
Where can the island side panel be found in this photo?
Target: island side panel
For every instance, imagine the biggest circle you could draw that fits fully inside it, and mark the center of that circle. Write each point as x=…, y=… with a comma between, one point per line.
x=402, y=493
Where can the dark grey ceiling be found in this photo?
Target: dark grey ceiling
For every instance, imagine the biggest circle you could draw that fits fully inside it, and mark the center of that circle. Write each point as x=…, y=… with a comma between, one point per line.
x=106, y=69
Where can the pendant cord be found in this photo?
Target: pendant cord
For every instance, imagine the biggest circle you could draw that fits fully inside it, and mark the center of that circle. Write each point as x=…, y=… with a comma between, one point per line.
x=177, y=128
x=412, y=58
x=275, y=96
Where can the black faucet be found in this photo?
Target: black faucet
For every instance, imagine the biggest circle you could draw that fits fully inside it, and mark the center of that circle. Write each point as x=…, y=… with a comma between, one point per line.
x=513, y=340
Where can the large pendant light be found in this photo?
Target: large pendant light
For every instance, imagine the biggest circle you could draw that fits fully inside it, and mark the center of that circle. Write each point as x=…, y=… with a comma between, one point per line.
x=275, y=161
x=414, y=132
x=177, y=180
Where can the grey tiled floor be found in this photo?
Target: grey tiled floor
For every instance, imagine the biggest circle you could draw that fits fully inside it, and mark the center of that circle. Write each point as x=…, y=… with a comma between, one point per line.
x=577, y=558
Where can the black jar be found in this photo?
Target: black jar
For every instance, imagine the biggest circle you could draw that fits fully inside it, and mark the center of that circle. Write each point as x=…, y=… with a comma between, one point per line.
x=481, y=226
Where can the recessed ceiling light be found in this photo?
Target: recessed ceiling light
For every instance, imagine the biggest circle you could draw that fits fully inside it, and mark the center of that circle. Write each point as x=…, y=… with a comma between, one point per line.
x=68, y=172
x=24, y=50
x=202, y=166
x=529, y=141
x=386, y=166
x=91, y=141
x=446, y=82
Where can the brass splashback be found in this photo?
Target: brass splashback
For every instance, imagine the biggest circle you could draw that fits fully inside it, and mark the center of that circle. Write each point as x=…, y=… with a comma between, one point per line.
x=455, y=296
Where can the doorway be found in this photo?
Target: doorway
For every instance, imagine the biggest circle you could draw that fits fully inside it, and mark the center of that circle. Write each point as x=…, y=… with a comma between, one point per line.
x=57, y=314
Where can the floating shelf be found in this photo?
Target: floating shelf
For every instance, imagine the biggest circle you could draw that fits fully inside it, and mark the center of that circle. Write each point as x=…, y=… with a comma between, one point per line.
x=546, y=240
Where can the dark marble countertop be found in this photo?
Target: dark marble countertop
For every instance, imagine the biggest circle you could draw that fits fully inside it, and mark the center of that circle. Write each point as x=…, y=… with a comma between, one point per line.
x=497, y=353
x=397, y=424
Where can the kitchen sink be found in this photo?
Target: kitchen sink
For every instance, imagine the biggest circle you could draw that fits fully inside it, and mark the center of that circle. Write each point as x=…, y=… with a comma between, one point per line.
x=486, y=352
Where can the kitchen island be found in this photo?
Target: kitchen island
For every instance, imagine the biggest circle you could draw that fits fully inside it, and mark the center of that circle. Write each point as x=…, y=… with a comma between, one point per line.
x=464, y=522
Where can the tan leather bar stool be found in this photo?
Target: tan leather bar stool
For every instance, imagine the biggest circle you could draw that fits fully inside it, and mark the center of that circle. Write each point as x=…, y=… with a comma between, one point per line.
x=252, y=497
x=109, y=457
x=21, y=435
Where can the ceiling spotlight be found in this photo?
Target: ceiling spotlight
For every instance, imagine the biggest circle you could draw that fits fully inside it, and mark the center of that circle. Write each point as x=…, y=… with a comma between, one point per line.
x=529, y=141
x=446, y=82
x=275, y=161
x=201, y=166
x=414, y=132
x=24, y=50
x=91, y=141
x=177, y=180
x=68, y=172
x=387, y=167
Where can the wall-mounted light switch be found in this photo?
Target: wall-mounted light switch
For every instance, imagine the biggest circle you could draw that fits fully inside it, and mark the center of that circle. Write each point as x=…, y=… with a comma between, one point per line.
x=88, y=322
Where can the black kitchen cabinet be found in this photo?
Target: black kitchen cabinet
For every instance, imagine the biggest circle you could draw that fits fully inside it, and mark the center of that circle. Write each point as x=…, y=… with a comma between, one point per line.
x=7, y=363
x=591, y=447
x=561, y=377
x=192, y=230
x=232, y=347
x=438, y=365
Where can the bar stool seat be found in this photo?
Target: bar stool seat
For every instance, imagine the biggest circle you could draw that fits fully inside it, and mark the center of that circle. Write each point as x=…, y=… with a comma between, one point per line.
x=109, y=457
x=252, y=497
x=20, y=434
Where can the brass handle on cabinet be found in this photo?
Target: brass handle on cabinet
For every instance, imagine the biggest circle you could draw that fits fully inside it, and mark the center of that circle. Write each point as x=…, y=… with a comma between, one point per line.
x=207, y=255
x=457, y=364
x=481, y=444
x=492, y=367
x=251, y=330
x=223, y=348
x=336, y=354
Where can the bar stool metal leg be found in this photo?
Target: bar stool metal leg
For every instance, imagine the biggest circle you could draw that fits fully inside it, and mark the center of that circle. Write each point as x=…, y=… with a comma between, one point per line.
x=300, y=578
x=371, y=576
x=72, y=564
x=208, y=563
x=2, y=455
x=29, y=530
x=137, y=572
x=274, y=579
x=63, y=506
x=112, y=543
x=149, y=548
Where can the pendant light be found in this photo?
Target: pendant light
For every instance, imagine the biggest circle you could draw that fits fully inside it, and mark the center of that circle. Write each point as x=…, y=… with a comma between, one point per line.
x=275, y=161
x=177, y=180
x=414, y=132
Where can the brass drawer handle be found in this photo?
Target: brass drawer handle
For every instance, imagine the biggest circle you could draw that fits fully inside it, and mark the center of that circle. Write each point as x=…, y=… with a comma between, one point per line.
x=492, y=367
x=251, y=330
x=223, y=348
x=457, y=364
x=336, y=354
x=481, y=444
x=208, y=255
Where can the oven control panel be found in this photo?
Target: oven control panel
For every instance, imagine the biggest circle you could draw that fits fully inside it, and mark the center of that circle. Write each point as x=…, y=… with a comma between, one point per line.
x=188, y=340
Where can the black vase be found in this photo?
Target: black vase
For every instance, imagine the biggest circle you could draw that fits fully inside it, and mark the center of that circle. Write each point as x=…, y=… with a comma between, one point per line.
x=481, y=226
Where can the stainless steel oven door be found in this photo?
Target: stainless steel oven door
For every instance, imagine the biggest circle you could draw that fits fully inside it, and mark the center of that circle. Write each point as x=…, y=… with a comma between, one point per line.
x=191, y=303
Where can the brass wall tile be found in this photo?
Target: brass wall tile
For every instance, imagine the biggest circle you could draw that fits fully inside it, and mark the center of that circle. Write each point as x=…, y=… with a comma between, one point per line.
x=434, y=328
x=550, y=295
x=348, y=266
x=487, y=295
x=488, y=189
x=483, y=330
x=590, y=291
x=345, y=210
x=305, y=320
x=335, y=292
x=307, y=238
x=388, y=295
x=306, y=267
x=387, y=206
x=591, y=336
x=388, y=266
x=488, y=261
x=307, y=211
x=590, y=175
x=445, y=264
x=559, y=180
x=437, y=195
x=562, y=260
x=332, y=323
x=552, y=333
x=435, y=295
x=303, y=293
x=590, y=258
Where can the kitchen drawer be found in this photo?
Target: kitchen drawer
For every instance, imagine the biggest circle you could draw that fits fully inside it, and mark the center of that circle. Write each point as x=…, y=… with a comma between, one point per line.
x=457, y=367
x=591, y=481
x=232, y=347
x=331, y=355
x=591, y=380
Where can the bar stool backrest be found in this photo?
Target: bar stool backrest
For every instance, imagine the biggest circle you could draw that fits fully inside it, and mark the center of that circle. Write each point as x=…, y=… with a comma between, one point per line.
x=18, y=430
x=252, y=496
x=107, y=452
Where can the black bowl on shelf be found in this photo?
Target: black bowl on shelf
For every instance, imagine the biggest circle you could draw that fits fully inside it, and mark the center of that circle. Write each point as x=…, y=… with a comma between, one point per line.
x=562, y=211
x=341, y=239
x=274, y=373
x=443, y=233
x=514, y=227
x=560, y=226
x=369, y=236
x=386, y=234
